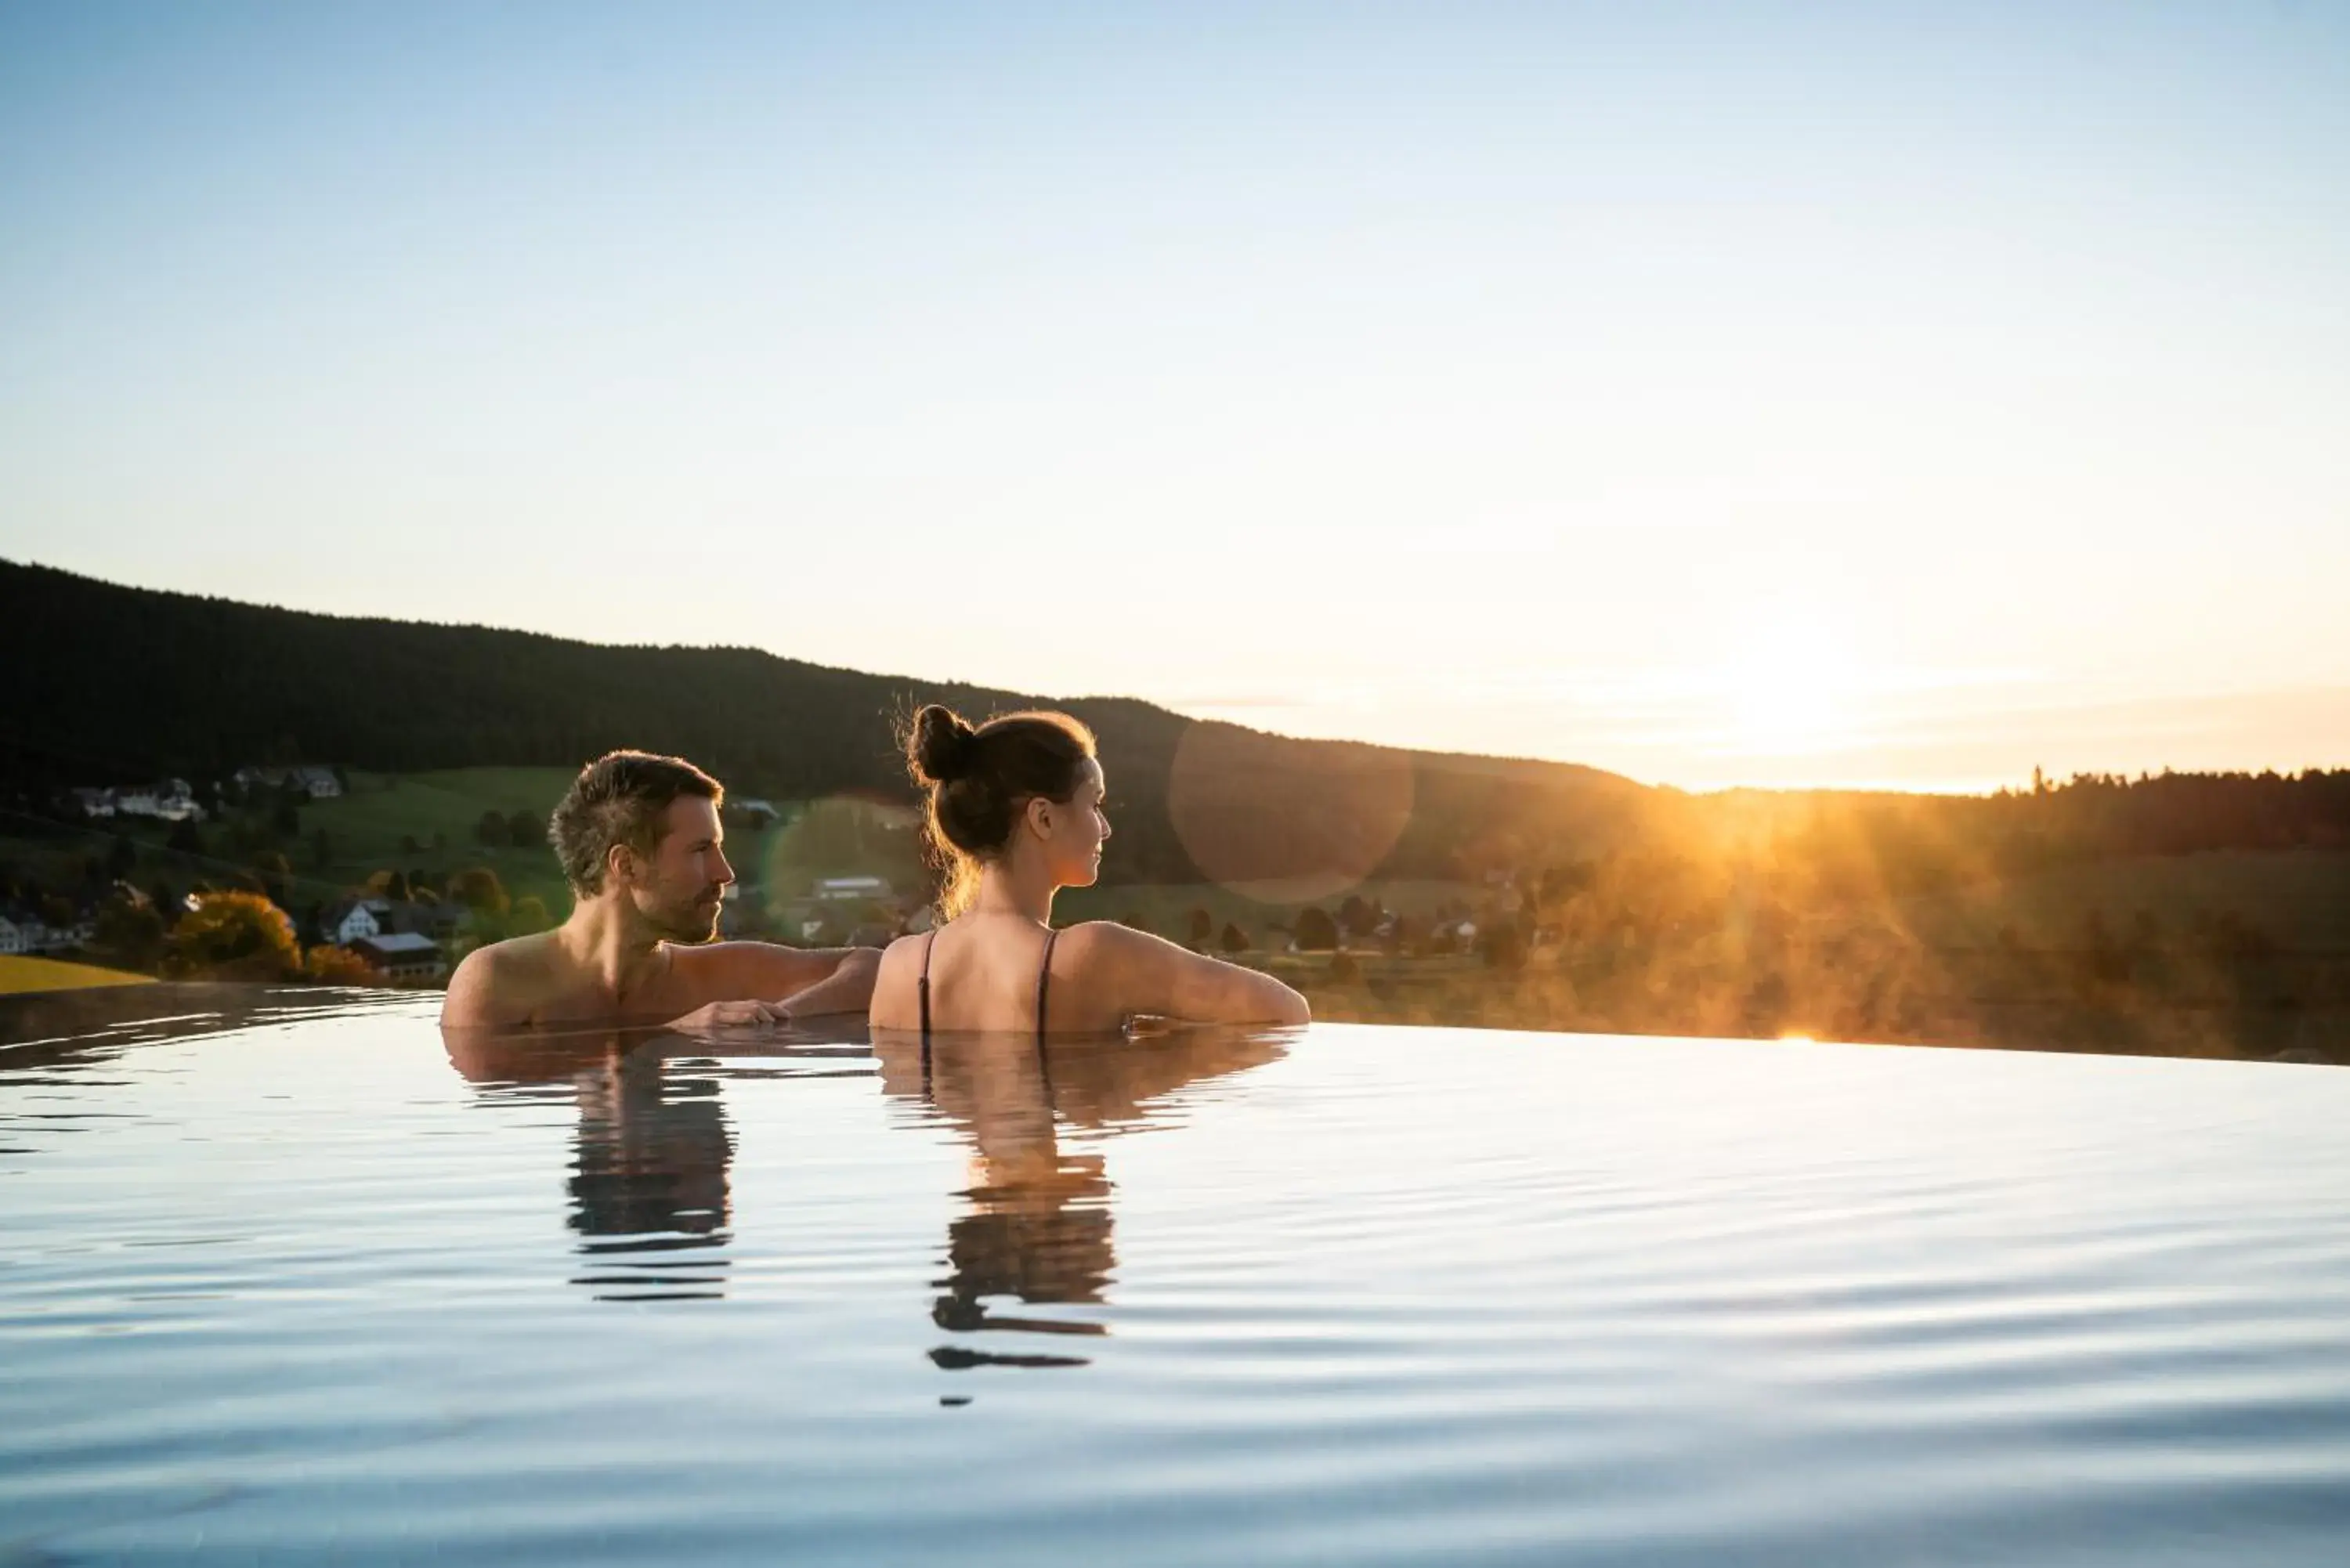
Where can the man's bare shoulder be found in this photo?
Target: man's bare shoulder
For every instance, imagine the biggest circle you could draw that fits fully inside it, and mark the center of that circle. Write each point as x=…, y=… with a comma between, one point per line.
x=501, y=983
x=515, y=957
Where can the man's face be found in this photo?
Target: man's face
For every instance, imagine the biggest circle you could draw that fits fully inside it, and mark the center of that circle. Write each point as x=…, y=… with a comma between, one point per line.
x=677, y=892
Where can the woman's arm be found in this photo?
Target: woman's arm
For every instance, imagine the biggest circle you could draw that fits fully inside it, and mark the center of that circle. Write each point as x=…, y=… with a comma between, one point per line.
x=1140, y=973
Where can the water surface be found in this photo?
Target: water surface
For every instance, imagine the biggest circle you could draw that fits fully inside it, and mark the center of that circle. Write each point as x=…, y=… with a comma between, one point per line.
x=285, y=1283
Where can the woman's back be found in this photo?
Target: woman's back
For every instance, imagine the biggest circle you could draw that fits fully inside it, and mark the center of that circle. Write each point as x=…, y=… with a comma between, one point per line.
x=996, y=972
x=984, y=973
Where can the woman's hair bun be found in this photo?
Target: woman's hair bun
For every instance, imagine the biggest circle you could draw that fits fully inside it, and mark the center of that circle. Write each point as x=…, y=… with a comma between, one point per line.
x=943, y=744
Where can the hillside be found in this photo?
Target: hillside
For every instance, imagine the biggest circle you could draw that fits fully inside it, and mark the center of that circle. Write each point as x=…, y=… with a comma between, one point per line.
x=110, y=683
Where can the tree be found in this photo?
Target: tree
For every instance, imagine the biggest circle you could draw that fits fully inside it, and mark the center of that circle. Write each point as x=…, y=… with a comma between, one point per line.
x=407, y=846
x=528, y=915
x=1501, y=945
x=276, y=872
x=129, y=932
x=184, y=839
x=322, y=849
x=1356, y=918
x=1344, y=969
x=1234, y=939
x=525, y=830
x=285, y=817
x=1315, y=931
x=121, y=858
x=233, y=936
x=478, y=888
x=326, y=965
x=1198, y=926
x=491, y=830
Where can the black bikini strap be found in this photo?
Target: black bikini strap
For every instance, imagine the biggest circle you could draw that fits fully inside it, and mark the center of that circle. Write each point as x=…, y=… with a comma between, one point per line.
x=922, y=997
x=1043, y=980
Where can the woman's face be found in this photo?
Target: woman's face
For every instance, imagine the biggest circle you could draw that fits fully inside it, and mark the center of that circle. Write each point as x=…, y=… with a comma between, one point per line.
x=1078, y=828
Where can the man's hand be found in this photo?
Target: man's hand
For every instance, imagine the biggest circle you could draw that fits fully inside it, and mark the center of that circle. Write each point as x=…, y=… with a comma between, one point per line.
x=719, y=1015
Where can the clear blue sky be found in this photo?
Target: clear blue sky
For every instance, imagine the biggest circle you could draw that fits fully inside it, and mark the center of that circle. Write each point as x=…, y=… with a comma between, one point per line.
x=1719, y=393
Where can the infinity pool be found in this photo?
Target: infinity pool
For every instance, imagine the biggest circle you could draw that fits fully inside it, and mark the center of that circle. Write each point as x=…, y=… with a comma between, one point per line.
x=293, y=1283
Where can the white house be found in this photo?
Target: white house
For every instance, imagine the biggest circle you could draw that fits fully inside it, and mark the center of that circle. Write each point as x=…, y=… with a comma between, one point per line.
x=12, y=937
x=175, y=801
x=345, y=923
x=849, y=889
x=95, y=802
x=320, y=782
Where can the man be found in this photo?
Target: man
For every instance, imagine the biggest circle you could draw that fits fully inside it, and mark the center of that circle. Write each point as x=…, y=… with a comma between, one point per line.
x=641, y=846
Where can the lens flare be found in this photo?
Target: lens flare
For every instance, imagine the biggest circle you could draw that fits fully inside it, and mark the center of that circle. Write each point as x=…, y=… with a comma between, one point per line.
x=1283, y=823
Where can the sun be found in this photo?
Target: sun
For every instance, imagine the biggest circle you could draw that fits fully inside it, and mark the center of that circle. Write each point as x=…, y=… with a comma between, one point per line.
x=1789, y=688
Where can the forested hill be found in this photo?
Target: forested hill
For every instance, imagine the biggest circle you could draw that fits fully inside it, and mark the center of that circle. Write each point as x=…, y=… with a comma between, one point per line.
x=112, y=684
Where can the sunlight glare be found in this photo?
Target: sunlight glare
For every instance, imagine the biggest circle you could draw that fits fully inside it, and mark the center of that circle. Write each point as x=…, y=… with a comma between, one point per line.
x=1790, y=689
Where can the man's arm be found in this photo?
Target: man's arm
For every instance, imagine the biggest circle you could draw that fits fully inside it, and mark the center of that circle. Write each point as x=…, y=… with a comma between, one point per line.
x=801, y=982
x=847, y=989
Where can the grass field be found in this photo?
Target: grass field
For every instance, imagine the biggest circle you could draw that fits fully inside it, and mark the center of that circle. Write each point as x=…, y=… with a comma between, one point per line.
x=365, y=829
x=1166, y=907
x=26, y=974
x=438, y=812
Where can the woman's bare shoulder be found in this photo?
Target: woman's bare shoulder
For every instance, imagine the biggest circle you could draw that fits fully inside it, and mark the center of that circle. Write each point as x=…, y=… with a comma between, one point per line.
x=1107, y=941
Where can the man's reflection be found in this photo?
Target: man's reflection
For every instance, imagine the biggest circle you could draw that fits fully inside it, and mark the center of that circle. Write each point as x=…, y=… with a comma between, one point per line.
x=649, y=1184
x=652, y=1154
x=1037, y=1225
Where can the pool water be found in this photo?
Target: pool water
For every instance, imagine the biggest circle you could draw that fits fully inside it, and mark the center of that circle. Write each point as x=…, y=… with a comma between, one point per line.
x=286, y=1281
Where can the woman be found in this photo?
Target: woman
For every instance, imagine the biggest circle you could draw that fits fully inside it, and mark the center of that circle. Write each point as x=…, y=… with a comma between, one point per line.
x=1016, y=814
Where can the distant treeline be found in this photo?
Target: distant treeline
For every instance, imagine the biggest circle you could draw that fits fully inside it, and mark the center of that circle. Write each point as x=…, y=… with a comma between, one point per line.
x=109, y=684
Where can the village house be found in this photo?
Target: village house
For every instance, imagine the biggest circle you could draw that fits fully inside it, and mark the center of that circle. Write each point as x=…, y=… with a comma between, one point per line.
x=401, y=955
x=317, y=782
x=23, y=931
x=440, y=922
x=174, y=800
x=346, y=920
x=751, y=811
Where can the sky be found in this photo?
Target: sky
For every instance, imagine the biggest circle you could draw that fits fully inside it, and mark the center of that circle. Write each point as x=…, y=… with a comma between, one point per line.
x=1888, y=395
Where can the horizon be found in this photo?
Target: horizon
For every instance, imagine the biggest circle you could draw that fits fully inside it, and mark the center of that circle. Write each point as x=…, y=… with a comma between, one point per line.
x=1719, y=396
x=1085, y=697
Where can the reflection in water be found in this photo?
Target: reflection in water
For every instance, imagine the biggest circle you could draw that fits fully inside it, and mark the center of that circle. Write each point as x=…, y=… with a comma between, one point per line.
x=61, y=1026
x=651, y=1158
x=1037, y=1226
x=650, y=1179
x=652, y=1199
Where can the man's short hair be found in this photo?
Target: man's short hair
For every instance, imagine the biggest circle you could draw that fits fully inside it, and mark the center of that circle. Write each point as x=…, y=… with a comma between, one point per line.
x=621, y=797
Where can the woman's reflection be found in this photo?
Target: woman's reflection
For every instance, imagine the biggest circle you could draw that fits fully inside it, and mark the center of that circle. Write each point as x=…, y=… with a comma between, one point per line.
x=652, y=1153
x=1037, y=1224
x=651, y=1156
